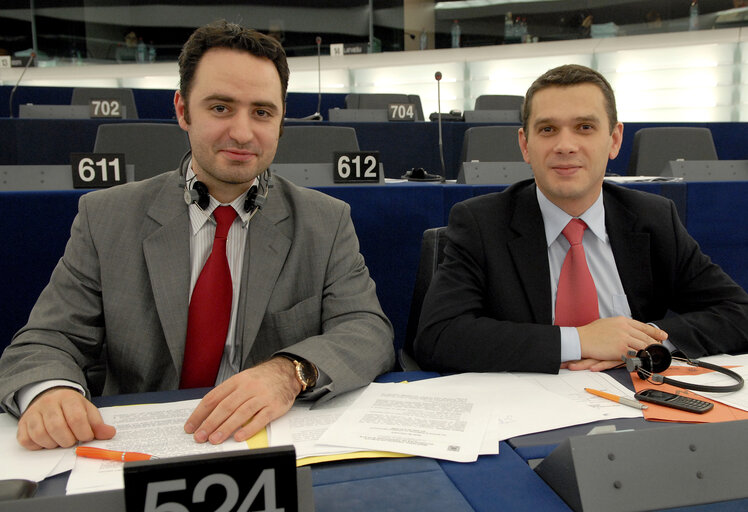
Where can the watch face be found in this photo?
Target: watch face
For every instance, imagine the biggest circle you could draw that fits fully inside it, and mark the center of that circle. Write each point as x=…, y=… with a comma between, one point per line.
x=307, y=374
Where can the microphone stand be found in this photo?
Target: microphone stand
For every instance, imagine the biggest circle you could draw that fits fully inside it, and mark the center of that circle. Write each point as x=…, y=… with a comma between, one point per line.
x=317, y=116
x=32, y=56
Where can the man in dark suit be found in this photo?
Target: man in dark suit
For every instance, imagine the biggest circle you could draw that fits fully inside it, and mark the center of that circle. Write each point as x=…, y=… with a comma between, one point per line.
x=492, y=305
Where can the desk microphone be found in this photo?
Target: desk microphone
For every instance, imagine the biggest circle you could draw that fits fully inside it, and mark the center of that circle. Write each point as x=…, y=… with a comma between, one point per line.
x=438, y=76
x=32, y=56
x=317, y=116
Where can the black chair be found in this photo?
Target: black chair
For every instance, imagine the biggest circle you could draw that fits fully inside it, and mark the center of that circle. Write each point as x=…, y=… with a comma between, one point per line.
x=432, y=254
x=498, y=102
x=84, y=95
x=152, y=147
x=314, y=144
x=491, y=144
x=380, y=101
x=653, y=148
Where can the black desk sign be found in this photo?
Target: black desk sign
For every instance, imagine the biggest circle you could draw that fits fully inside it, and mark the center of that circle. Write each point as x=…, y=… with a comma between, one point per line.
x=105, y=108
x=98, y=170
x=262, y=480
x=356, y=167
x=401, y=112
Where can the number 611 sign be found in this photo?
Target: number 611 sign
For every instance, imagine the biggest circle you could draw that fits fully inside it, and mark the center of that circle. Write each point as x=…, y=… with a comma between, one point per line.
x=261, y=480
x=98, y=170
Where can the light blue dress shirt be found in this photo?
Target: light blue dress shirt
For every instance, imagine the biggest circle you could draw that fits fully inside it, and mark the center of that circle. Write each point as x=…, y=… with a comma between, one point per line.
x=611, y=298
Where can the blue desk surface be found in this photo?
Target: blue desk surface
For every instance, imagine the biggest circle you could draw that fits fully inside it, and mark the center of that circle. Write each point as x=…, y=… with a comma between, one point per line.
x=496, y=482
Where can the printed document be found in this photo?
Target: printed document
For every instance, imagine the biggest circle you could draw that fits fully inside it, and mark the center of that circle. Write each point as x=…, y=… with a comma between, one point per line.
x=416, y=418
x=156, y=429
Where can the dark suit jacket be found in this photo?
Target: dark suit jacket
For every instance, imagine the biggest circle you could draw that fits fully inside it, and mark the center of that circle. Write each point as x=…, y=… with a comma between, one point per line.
x=489, y=305
x=123, y=284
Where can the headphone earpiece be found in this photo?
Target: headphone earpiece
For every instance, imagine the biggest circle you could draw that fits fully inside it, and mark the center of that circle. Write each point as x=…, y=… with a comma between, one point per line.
x=200, y=195
x=648, y=363
x=200, y=190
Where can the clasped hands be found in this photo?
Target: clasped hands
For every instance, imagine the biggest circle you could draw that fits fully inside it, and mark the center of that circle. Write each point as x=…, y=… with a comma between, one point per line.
x=604, y=341
x=242, y=405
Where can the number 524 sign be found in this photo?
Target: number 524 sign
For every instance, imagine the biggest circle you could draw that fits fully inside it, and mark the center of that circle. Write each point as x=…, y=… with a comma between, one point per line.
x=262, y=480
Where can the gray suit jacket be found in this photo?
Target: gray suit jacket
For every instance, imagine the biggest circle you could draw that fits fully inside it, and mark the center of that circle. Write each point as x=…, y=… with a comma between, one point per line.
x=121, y=290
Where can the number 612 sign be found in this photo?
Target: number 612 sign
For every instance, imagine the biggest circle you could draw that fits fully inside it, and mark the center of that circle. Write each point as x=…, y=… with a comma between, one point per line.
x=356, y=167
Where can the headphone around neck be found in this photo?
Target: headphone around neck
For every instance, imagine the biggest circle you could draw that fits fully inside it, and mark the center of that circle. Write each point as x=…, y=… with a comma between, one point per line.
x=648, y=362
x=198, y=193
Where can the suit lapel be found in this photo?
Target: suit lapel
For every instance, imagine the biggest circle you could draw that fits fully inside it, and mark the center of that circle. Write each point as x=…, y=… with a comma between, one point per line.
x=264, y=257
x=631, y=251
x=529, y=253
x=167, y=254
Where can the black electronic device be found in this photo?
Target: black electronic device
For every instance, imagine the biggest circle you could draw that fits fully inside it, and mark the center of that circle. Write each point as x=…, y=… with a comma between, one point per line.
x=452, y=115
x=681, y=402
x=656, y=358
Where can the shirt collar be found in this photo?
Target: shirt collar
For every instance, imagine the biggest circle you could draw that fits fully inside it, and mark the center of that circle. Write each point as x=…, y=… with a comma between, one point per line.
x=555, y=219
x=198, y=216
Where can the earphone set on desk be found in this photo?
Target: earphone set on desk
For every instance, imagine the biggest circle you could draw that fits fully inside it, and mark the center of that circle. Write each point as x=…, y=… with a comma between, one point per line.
x=648, y=362
x=198, y=193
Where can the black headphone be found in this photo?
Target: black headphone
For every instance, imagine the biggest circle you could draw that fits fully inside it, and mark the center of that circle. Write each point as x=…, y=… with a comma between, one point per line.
x=647, y=364
x=198, y=192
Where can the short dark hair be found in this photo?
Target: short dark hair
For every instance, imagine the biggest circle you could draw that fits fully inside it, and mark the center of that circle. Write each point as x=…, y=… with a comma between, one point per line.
x=222, y=34
x=564, y=76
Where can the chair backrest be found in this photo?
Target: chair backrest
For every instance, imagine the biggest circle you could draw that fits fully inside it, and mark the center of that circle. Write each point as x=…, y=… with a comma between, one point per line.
x=314, y=144
x=84, y=95
x=491, y=144
x=432, y=254
x=381, y=100
x=498, y=102
x=653, y=148
x=152, y=147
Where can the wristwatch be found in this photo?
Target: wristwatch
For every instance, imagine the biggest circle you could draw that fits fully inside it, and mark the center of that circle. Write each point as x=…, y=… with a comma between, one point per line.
x=306, y=372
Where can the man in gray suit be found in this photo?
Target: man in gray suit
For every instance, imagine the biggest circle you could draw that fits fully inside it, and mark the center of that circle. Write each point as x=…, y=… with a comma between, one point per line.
x=304, y=318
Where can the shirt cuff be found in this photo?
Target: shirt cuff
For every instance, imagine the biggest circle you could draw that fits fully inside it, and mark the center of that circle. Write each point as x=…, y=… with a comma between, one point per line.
x=571, y=347
x=26, y=394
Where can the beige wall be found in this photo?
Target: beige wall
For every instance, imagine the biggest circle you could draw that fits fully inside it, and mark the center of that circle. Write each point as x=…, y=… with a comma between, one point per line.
x=418, y=15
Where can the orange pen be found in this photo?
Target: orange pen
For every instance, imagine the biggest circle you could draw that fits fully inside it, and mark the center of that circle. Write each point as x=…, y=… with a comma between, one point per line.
x=615, y=398
x=102, y=454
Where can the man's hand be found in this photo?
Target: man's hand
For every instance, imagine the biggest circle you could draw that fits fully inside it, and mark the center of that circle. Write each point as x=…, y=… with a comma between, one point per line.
x=607, y=339
x=247, y=401
x=61, y=416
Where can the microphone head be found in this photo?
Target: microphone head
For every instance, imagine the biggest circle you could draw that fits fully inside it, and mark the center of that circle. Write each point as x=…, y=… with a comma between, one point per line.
x=318, y=40
x=438, y=75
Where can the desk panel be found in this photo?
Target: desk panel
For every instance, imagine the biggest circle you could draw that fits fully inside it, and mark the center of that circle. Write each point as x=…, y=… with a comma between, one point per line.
x=389, y=220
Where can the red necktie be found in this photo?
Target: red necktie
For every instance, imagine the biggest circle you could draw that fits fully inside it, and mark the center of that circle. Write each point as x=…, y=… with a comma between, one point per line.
x=210, y=311
x=576, y=298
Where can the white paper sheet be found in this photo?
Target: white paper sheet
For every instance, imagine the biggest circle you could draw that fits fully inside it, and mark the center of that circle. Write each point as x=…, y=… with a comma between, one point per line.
x=532, y=402
x=156, y=429
x=412, y=418
x=302, y=426
x=18, y=462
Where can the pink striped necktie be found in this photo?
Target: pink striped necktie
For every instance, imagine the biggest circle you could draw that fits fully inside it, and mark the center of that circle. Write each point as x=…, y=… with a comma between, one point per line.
x=576, y=298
